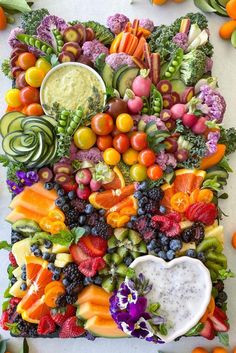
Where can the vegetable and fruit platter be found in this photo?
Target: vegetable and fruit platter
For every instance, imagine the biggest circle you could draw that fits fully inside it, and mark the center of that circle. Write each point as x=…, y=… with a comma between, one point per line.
x=116, y=159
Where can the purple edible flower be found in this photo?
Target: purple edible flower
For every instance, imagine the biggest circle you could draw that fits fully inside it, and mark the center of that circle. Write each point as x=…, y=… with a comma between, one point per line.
x=126, y=295
x=208, y=65
x=140, y=329
x=213, y=138
x=137, y=309
x=181, y=40
x=117, y=23
x=93, y=49
x=27, y=178
x=147, y=24
x=117, y=60
x=15, y=188
x=214, y=101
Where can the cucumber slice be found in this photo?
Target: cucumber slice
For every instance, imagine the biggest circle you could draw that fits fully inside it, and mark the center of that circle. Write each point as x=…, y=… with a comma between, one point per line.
x=222, y=2
x=126, y=78
x=107, y=75
x=42, y=147
x=6, y=143
x=6, y=121
x=24, y=158
x=40, y=126
x=178, y=86
x=117, y=74
x=49, y=120
x=15, y=125
x=220, y=10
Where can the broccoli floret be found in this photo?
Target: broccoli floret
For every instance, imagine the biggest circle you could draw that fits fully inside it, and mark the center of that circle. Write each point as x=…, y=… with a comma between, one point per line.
x=6, y=68
x=31, y=20
x=102, y=33
x=160, y=41
x=207, y=49
x=193, y=67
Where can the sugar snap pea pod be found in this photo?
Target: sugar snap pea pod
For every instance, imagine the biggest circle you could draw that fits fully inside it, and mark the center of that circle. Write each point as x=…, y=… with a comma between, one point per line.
x=213, y=266
x=75, y=121
x=156, y=101
x=174, y=64
x=58, y=39
x=216, y=258
x=146, y=106
x=211, y=243
x=36, y=43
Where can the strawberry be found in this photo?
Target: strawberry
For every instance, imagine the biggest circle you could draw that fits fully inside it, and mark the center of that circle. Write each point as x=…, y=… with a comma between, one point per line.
x=78, y=254
x=90, y=267
x=12, y=259
x=46, y=325
x=93, y=246
x=14, y=301
x=4, y=321
x=202, y=212
x=219, y=320
x=60, y=315
x=70, y=328
x=208, y=330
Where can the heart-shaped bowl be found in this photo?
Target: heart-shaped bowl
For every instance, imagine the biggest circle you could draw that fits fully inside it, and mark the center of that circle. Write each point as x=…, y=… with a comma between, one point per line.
x=182, y=287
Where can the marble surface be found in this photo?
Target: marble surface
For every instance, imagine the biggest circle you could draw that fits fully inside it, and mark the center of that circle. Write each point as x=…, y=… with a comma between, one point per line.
x=225, y=69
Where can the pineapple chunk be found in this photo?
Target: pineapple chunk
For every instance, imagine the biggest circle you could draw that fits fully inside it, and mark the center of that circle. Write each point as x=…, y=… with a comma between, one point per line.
x=62, y=260
x=185, y=247
x=20, y=250
x=15, y=290
x=217, y=232
x=43, y=249
x=17, y=272
x=214, y=225
x=185, y=224
x=57, y=249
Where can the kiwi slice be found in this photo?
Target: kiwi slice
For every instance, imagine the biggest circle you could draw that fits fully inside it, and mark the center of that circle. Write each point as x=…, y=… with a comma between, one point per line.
x=26, y=227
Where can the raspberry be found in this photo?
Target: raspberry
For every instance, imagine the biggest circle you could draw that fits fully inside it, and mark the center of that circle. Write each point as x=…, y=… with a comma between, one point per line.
x=46, y=325
x=174, y=230
x=4, y=321
x=12, y=259
x=90, y=266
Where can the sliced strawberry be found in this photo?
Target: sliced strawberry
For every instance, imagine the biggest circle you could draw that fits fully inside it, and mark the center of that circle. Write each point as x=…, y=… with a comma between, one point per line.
x=71, y=328
x=78, y=254
x=221, y=313
x=12, y=259
x=46, y=325
x=219, y=322
x=4, y=320
x=93, y=246
x=60, y=315
x=98, y=263
x=90, y=266
x=202, y=212
x=208, y=330
x=174, y=230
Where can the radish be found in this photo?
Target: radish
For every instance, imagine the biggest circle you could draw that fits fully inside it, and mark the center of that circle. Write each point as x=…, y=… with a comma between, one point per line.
x=135, y=103
x=83, y=176
x=178, y=111
x=200, y=126
x=189, y=119
x=141, y=85
x=181, y=155
x=83, y=192
x=95, y=185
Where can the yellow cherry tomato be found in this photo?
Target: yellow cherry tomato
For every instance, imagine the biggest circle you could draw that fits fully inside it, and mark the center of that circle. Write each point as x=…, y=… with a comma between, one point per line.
x=111, y=156
x=34, y=76
x=138, y=172
x=12, y=98
x=84, y=138
x=43, y=65
x=130, y=157
x=124, y=122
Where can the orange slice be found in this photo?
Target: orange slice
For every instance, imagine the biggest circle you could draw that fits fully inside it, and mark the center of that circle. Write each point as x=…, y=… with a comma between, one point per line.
x=129, y=201
x=27, y=301
x=33, y=266
x=184, y=180
x=168, y=193
x=118, y=182
x=194, y=195
x=199, y=177
x=43, y=278
x=128, y=211
x=205, y=195
x=53, y=284
x=36, y=311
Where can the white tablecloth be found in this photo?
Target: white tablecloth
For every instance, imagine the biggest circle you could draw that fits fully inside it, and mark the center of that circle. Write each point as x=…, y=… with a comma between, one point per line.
x=225, y=69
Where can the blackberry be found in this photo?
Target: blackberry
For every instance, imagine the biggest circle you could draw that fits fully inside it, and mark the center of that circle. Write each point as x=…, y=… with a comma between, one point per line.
x=15, y=237
x=92, y=219
x=61, y=301
x=141, y=223
x=152, y=206
x=72, y=273
x=219, y=286
x=79, y=204
x=71, y=217
x=155, y=194
x=26, y=329
x=187, y=235
x=102, y=230
x=74, y=288
x=222, y=297
x=71, y=299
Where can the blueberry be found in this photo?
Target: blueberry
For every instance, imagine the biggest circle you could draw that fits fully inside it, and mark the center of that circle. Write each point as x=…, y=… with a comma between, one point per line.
x=142, y=185
x=46, y=256
x=13, y=280
x=111, y=251
x=157, y=250
x=102, y=212
x=60, y=201
x=61, y=192
x=23, y=268
x=98, y=280
x=162, y=209
x=65, y=207
x=152, y=245
x=191, y=253
x=65, y=282
x=170, y=255
x=133, y=218
x=23, y=276
x=138, y=195
x=51, y=267
x=38, y=253
x=55, y=277
x=143, y=201
x=89, y=209
x=48, y=244
x=71, y=195
x=162, y=255
x=52, y=258
x=201, y=256
x=129, y=225
x=23, y=286
x=57, y=186
x=82, y=220
x=175, y=244
x=128, y=260
x=88, y=280
x=164, y=240
x=141, y=212
x=57, y=271
x=49, y=186
x=34, y=247
x=87, y=230
x=165, y=247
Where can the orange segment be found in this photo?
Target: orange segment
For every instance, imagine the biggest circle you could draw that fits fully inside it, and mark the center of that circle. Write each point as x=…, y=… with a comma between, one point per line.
x=53, y=284
x=129, y=201
x=205, y=195
x=168, y=193
x=128, y=211
x=43, y=278
x=118, y=182
x=194, y=195
x=180, y=202
x=33, y=266
x=184, y=180
x=29, y=299
x=52, y=294
x=36, y=311
x=199, y=177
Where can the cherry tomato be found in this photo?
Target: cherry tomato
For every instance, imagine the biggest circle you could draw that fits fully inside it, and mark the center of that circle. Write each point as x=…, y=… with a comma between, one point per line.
x=29, y=95
x=102, y=124
x=26, y=60
x=34, y=109
x=147, y=157
x=121, y=143
x=115, y=132
x=155, y=172
x=111, y=156
x=124, y=122
x=84, y=138
x=138, y=172
x=104, y=142
x=12, y=98
x=34, y=77
x=139, y=140
x=130, y=157
x=43, y=65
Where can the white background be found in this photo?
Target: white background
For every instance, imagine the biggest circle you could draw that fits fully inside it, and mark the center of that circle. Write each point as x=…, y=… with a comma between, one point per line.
x=225, y=69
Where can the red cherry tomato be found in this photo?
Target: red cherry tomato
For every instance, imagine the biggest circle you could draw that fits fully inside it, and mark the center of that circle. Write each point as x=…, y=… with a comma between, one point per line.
x=29, y=95
x=26, y=60
x=102, y=124
x=139, y=140
x=155, y=172
x=147, y=157
x=121, y=143
x=115, y=132
x=104, y=142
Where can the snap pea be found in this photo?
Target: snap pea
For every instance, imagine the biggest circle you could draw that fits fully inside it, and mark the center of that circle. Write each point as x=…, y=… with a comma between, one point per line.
x=174, y=64
x=58, y=39
x=146, y=107
x=76, y=118
x=156, y=101
x=36, y=43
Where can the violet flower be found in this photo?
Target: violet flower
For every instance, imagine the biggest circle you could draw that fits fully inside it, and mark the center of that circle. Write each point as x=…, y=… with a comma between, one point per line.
x=14, y=187
x=126, y=295
x=27, y=178
x=140, y=329
x=136, y=310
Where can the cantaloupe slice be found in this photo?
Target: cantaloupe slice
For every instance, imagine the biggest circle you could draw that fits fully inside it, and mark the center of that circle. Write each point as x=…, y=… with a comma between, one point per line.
x=40, y=189
x=104, y=328
x=87, y=310
x=20, y=212
x=94, y=295
x=33, y=201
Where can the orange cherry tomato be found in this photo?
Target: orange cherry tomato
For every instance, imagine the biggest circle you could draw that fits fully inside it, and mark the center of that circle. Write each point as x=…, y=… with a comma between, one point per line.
x=3, y=19
x=29, y=95
x=205, y=195
x=102, y=124
x=121, y=143
x=56, y=215
x=34, y=109
x=180, y=202
x=154, y=172
x=139, y=140
x=147, y=157
x=104, y=142
x=26, y=60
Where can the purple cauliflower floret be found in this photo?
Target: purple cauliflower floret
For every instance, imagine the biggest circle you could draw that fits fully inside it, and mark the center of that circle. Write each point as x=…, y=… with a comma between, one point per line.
x=181, y=40
x=117, y=23
x=159, y=123
x=213, y=138
x=12, y=40
x=147, y=24
x=208, y=64
x=93, y=155
x=166, y=159
x=118, y=60
x=215, y=102
x=93, y=49
x=47, y=25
